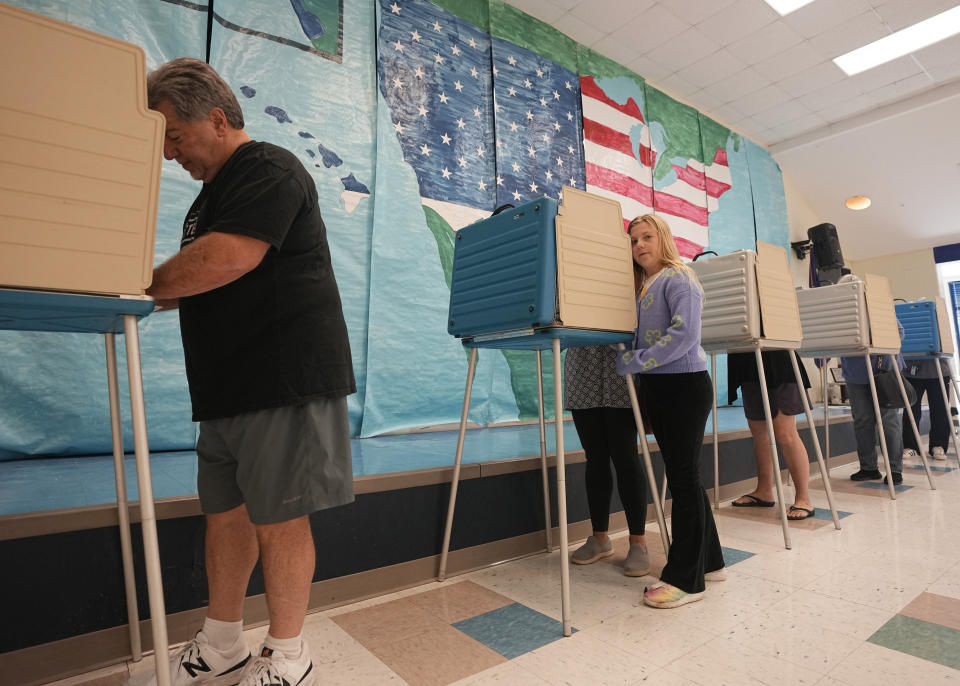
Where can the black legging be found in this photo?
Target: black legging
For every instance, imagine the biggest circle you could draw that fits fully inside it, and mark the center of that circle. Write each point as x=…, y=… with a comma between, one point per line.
x=610, y=433
x=678, y=405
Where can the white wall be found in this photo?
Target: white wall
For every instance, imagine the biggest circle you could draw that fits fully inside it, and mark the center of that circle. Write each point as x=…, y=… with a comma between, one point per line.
x=912, y=275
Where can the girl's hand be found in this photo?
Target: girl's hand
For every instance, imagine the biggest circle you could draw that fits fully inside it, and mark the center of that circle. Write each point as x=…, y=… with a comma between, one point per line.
x=624, y=359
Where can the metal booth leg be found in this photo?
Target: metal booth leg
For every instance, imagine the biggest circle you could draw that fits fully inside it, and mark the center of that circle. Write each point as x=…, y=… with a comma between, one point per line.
x=647, y=463
x=876, y=413
x=561, y=489
x=148, y=518
x=471, y=367
x=777, y=479
x=716, y=444
x=123, y=512
x=548, y=528
x=824, y=474
x=826, y=412
x=907, y=412
x=946, y=403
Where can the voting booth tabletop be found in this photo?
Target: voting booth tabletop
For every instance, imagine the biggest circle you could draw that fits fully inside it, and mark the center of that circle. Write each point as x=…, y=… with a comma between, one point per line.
x=73, y=618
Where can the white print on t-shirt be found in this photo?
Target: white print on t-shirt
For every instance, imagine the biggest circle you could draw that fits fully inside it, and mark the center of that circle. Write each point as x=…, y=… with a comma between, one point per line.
x=190, y=228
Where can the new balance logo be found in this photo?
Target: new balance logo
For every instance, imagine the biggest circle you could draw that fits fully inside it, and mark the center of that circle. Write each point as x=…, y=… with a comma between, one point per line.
x=194, y=668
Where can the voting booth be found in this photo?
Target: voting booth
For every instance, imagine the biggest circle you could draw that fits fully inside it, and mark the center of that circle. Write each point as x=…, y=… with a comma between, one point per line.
x=926, y=326
x=751, y=305
x=79, y=179
x=544, y=275
x=855, y=318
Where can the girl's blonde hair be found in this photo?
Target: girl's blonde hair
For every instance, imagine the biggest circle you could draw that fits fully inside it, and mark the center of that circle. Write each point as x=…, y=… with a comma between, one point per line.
x=669, y=255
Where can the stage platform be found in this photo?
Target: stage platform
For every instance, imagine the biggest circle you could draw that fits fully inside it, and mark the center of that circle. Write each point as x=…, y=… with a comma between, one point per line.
x=58, y=520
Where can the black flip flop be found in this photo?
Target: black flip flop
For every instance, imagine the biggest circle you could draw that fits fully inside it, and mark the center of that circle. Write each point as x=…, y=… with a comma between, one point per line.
x=807, y=513
x=754, y=501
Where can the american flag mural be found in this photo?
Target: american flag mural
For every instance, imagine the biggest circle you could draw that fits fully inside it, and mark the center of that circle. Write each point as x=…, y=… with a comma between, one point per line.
x=629, y=160
x=537, y=118
x=482, y=122
x=434, y=72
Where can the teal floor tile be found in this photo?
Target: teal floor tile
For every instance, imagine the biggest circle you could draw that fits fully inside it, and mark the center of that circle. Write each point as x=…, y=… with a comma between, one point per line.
x=512, y=630
x=933, y=468
x=824, y=514
x=921, y=639
x=879, y=485
x=732, y=556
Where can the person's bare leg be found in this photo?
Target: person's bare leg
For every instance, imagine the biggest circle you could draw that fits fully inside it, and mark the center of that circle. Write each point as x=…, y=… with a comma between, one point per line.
x=231, y=554
x=795, y=454
x=761, y=455
x=288, y=556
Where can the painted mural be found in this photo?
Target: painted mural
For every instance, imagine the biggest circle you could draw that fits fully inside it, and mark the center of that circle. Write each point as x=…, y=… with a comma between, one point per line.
x=415, y=118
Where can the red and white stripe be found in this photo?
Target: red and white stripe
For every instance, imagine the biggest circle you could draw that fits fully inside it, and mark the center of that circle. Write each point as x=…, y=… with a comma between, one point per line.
x=620, y=169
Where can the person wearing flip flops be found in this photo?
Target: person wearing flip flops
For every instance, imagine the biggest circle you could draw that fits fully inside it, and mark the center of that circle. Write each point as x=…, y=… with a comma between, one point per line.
x=670, y=368
x=785, y=404
x=597, y=397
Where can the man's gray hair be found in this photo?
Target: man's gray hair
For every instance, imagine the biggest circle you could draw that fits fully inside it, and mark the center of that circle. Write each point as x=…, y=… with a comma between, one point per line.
x=193, y=89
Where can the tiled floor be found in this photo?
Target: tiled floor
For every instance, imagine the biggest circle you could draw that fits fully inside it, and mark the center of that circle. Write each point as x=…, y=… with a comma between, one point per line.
x=877, y=602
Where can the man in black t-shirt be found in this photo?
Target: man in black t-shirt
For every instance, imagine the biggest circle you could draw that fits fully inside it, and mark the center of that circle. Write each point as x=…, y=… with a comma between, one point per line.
x=268, y=366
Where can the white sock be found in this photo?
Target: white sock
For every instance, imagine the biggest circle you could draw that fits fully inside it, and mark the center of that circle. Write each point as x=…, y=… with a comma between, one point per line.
x=290, y=647
x=222, y=635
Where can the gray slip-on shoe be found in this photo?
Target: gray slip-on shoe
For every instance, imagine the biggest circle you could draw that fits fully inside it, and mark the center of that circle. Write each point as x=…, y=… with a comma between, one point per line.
x=637, y=562
x=591, y=551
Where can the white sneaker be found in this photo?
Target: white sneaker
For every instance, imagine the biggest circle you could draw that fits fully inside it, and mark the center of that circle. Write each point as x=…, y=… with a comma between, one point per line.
x=273, y=668
x=716, y=575
x=938, y=453
x=198, y=662
x=910, y=453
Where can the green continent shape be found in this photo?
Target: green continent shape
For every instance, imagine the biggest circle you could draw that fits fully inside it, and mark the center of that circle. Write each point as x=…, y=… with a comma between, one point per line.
x=328, y=12
x=681, y=124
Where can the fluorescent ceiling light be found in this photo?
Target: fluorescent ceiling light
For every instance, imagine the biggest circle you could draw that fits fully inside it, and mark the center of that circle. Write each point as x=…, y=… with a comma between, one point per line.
x=785, y=7
x=903, y=42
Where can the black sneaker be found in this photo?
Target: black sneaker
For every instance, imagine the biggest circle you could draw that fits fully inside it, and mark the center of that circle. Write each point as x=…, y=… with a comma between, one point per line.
x=866, y=475
x=897, y=478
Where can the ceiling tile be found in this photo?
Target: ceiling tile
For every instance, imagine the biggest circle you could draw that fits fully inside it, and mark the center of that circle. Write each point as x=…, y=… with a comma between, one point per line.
x=789, y=62
x=544, y=10
x=619, y=51
x=814, y=78
x=578, y=30
x=762, y=99
x=687, y=48
x=649, y=68
x=704, y=101
x=733, y=87
x=832, y=95
x=607, y=15
x=735, y=21
x=849, y=108
x=677, y=86
x=941, y=54
x=783, y=113
x=899, y=14
x=713, y=68
x=653, y=27
x=885, y=74
x=770, y=40
x=901, y=89
x=695, y=11
x=729, y=113
x=946, y=73
x=849, y=35
x=796, y=127
x=823, y=15
x=751, y=128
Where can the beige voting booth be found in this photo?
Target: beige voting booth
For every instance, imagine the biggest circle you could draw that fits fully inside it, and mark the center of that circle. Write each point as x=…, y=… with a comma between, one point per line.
x=79, y=178
x=80, y=159
x=751, y=305
x=854, y=318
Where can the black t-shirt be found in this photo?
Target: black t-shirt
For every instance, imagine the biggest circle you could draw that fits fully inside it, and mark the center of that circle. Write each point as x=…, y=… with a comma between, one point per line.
x=275, y=336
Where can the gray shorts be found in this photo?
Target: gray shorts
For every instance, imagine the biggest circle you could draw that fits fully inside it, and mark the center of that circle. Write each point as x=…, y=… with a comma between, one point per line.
x=784, y=398
x=283, y=462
